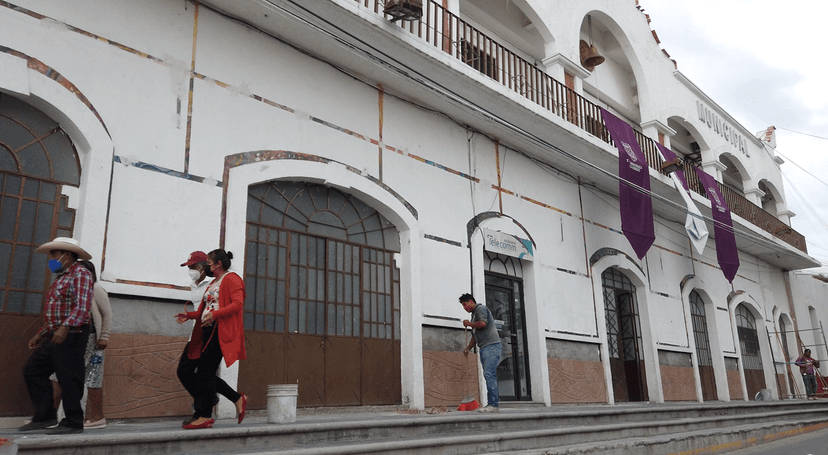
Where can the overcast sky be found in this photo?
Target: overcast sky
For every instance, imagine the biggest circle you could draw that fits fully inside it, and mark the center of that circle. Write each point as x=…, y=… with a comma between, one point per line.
x=763, y=62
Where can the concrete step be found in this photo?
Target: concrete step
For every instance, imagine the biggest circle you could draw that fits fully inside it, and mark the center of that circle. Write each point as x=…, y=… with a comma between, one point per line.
x=604, y=439
x=454, y=432
x=718, y=440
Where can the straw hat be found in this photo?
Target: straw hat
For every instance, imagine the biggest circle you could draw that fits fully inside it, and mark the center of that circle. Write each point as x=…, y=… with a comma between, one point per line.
x=65, y=244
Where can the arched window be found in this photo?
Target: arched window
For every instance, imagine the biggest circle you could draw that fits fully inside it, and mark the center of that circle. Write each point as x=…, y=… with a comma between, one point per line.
x=506, y=265
x=36, y=159
x=700, y=329
x=317, y=257
x=783, y=335
x=732, y=177
x=748, y=338
x=319, y=210
x=624, y=337
x=703, y=354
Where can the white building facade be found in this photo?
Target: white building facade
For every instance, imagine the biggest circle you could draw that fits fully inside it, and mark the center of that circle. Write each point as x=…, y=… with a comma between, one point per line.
x=365, y=173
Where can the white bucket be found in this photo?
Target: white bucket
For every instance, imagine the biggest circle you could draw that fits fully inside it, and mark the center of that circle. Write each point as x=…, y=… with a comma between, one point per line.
x=281, y=403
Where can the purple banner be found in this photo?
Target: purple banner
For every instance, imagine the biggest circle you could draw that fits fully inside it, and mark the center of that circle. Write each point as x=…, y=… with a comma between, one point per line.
x=723, y=227
x=636, y=206
x=670, y=156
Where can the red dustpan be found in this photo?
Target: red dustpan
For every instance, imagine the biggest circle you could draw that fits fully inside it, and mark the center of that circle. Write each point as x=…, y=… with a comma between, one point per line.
x=468, y=403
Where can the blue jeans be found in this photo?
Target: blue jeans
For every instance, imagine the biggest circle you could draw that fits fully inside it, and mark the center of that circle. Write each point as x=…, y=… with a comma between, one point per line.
x=810, y=384
x=489, y=357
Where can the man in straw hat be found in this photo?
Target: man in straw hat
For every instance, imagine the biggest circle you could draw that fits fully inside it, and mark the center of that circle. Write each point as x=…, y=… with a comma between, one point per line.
x=60, y=345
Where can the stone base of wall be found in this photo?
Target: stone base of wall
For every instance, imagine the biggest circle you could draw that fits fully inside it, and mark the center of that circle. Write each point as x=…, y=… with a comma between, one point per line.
x=679, y=383
x=576, y=381
x=734, y=385
x=449, y=377
x=140, y=377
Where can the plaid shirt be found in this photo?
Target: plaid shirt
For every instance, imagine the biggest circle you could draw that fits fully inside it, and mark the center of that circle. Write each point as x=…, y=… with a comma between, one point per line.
x=69, y=299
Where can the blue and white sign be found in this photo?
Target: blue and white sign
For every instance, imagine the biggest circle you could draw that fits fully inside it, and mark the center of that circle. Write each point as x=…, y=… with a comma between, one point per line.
x=507, y=244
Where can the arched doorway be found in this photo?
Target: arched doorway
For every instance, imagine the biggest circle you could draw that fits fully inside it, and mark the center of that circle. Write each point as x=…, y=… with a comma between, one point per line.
x=705, y=359
x=624, y=340
x=322, y=306
x=749, y=344
x=771, y=201
x=734, y=175
x=504, y=298
x=36, y=159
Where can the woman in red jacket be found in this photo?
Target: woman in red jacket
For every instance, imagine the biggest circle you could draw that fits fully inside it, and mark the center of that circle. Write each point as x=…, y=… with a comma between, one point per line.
x=219, y=334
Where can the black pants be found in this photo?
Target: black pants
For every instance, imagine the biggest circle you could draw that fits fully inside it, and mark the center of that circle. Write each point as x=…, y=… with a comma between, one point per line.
x=199, y=376
x=66, y=361
x=810, y=384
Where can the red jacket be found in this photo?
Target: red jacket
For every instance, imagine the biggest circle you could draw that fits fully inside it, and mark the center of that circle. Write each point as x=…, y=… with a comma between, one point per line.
x=229, y=318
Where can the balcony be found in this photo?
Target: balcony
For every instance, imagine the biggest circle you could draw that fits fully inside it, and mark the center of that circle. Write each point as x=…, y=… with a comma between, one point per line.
x=454, y=36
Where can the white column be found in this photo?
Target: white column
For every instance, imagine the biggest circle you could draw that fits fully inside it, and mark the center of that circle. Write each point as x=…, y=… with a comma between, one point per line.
x=453, y=6
x=558, y=64
x=714, y=168
x=754, y=195
x=652, y=128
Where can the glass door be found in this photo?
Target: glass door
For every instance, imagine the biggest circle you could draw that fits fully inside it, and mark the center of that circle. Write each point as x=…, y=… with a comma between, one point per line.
x=504, y=298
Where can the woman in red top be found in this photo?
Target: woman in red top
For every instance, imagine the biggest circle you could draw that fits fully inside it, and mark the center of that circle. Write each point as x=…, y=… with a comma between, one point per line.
x=220, y=333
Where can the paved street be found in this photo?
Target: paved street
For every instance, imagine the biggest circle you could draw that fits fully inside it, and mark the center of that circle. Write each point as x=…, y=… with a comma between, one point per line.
x=815, y=443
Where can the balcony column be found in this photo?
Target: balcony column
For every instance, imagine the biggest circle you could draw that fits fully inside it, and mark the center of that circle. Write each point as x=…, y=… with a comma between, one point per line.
x=754, y=195
x=558, y=66
x=785, y=216
x=452, y=6
x=714, y=168
x=658, y=132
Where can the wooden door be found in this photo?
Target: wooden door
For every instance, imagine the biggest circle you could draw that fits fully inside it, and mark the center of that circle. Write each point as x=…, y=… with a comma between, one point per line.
x=751, y=356
x=32, y=212
x=321, y=312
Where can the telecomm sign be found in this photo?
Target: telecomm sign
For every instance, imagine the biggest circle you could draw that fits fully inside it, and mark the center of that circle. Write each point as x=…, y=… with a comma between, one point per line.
x=508, y=244
x=722, y=128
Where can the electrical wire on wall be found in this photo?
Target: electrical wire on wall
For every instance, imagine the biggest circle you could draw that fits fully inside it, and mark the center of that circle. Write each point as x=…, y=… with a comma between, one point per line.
x=473, y=173
x=472, y=168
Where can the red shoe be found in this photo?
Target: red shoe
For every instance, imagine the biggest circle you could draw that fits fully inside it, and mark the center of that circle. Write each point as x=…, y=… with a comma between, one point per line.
x=244, y=407
x=206, y=424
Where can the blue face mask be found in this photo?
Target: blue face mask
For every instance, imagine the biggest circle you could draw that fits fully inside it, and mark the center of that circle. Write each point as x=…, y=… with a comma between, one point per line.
x=55, y=265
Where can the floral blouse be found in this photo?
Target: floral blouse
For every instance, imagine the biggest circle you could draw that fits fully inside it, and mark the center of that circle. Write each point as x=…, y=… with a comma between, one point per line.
x=211, y=297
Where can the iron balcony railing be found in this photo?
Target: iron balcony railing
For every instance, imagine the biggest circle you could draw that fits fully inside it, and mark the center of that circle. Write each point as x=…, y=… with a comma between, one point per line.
x=454, y=36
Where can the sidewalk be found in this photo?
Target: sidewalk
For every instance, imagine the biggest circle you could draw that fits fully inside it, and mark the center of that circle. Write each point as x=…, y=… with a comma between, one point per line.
x=255, y=423
x=340, y=430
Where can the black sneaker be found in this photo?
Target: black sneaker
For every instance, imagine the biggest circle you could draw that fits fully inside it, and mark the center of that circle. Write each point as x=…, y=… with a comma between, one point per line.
x=31, y=426
x=60, y=429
